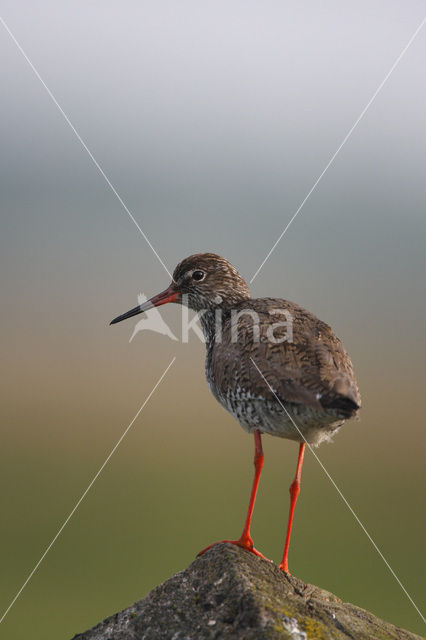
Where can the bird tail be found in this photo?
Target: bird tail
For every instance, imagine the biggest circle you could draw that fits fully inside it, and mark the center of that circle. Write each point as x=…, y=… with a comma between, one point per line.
x=347, y=406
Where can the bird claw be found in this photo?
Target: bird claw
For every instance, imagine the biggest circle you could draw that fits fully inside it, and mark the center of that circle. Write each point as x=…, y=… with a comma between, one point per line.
x=244, y=544
x=284, y=568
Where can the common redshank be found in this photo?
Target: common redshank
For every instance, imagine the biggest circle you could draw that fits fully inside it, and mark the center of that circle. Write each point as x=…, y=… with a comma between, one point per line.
x=273, y=365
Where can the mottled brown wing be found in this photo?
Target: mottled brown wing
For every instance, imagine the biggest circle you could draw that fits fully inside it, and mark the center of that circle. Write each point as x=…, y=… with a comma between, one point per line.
x=311, y=367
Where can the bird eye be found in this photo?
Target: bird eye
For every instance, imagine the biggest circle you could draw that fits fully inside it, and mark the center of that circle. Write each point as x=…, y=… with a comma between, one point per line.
x=198, y=275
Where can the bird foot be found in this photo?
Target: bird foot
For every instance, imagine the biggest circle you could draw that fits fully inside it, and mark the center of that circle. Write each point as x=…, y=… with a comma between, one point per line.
x=284, y=567
x=243, y=543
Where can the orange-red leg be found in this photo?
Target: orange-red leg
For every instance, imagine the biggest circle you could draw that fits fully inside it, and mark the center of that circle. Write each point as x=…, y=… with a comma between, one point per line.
x=294, y=492
x=245, y=540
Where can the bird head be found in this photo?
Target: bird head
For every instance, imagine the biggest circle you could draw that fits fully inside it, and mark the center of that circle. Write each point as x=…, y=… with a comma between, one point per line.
x=201, y=281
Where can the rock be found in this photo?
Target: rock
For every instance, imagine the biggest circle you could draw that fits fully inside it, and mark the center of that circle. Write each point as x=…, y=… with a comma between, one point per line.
x=230, y=593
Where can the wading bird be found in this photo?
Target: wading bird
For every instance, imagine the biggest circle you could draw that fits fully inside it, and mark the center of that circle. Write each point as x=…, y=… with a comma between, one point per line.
x=292, y=379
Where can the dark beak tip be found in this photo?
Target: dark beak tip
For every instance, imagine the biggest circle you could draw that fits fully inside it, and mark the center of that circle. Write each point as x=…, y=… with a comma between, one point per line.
x=155, y=301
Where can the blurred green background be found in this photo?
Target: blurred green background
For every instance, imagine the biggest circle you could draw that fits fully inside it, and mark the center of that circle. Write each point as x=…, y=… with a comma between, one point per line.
x=213, y=121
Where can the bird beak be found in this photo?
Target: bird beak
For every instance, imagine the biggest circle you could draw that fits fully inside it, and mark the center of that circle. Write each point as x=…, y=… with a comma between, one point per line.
x=168, y=295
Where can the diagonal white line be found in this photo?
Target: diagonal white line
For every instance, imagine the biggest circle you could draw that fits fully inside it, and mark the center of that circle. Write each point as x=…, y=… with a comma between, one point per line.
x=84, y=145
x=342, y=496
x=345, y=139
x=80, y=500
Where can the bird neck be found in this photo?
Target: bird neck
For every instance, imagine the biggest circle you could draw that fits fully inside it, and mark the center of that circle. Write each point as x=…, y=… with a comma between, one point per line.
x=216, y=319
x=211, y=320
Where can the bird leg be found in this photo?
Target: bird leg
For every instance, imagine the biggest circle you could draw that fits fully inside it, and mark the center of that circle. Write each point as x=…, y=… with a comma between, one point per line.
x=245, y=540
x=294, y=492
